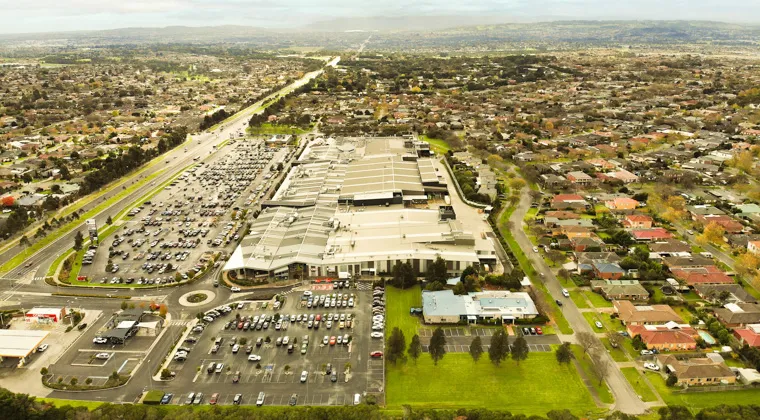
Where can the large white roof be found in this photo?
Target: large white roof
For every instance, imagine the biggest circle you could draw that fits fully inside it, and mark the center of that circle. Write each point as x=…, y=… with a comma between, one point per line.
x=19, y=343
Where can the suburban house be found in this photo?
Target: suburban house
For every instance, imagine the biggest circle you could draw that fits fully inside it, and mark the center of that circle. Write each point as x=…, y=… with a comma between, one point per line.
x=696, y=371
x=606, y=270
x=669, y=337
x=583, y=243
x=668, y=248
x=637, y=221
x=749, y=335
x=445, y=307
x=578, y=177
x=568, y=201
x=623, y=175
x=701, y=275
x=622, y=203
x=726, y=222
x=738, y=314
x=652, y=234
x=645, y=315
x=728, y=293
x=753, y=247
x=620, y=289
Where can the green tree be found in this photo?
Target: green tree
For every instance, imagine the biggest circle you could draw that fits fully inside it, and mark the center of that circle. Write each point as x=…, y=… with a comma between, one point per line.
x=499, y=349
x=459, y=289
x=476, y=348
x=109, y=220
x=437, y=347
x=469, y=270
x=519, y=350
x=672, y=380
x=124, y=305
x=404, y=275
x=563, y=353
x=44, y=371
x=415, y=348
x=24, y=241
x=78, y=241
x=396, y=346
x=437, y=271
x=73, y=381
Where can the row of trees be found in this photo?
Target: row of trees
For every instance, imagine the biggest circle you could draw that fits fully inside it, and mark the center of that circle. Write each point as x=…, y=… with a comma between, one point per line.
x=215, y=118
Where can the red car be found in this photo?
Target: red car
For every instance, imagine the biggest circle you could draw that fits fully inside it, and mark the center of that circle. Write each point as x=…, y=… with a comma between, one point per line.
x=214, y=398
x=332, y=340
x=539, y=331
x=376, y=354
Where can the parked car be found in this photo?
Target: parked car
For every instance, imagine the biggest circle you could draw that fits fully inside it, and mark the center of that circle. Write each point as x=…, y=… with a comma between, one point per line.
x=254, y=358
x=237, y=399
x=651, y=366
x=167, y=398
x=42, y=348
x=646, y=352
x=565, y=293
x=236, y=377
x=598, y=324
x=293, y=400
x=376, y=354
x=214, y=398
x=103, y=356
x=304, y=376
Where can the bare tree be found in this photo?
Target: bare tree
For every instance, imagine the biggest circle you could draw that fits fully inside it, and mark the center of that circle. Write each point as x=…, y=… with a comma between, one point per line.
x=614, y=338
x=600, y=366
x=587, y=340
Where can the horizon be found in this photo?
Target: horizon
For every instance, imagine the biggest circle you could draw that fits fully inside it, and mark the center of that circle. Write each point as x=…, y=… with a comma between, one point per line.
x=50, y=16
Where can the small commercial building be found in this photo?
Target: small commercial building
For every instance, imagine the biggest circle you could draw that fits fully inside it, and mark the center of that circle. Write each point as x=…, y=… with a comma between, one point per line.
x=444, y=307
x=45, y=315
x=20, y=344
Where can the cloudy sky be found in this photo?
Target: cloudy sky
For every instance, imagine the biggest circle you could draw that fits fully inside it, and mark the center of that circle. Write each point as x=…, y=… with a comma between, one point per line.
x=67, y=15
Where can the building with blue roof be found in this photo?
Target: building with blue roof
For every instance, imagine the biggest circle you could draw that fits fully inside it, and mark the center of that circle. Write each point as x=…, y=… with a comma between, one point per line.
x=444, y=307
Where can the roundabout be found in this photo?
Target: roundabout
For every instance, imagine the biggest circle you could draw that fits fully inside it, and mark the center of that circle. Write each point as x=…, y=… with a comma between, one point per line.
x=197, y=298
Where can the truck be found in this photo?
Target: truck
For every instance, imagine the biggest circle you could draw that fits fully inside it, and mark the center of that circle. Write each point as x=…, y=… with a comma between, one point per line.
x=344, y=275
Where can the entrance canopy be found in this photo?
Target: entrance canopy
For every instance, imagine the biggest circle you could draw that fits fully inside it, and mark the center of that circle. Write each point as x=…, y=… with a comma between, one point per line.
x=20, y=343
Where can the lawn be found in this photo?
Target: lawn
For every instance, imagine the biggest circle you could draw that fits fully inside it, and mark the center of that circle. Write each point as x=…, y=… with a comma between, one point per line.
x=698, y=401
x=268, y=128
x=597, y=300
x=437, y=145
x=608, y=323
x=617, y=354
x=683, y=312
x=465, y=384
x=637, y=382
x=602, y=390
x=399, y=301
x=580, y=301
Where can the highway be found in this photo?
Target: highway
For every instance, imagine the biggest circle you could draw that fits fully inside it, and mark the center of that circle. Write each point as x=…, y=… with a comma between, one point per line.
x=626, y=399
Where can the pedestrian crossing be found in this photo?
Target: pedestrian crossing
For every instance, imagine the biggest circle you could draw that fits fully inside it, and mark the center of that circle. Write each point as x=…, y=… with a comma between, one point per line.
x=178, y=322
x=364, y=285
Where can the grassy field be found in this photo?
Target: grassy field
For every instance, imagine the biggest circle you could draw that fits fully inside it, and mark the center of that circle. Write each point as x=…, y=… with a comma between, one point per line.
x=398, y=303
x=618, y=354
x=698, y=401
x=637, y=382
x=597, y=300
x=577, y=297
x=437, y=145
x=463, y=383
x=607, y=322
x=602, y=390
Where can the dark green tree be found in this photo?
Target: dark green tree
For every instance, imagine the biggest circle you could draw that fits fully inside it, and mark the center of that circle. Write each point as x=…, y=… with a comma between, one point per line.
x=519, y=350
x=437, y=271
x=415, y=348
x=499, y=349
x=563, y=353
x=78, y=241
x=396, y=346
x=476, y=348
x=404, y=275
x=437, y=347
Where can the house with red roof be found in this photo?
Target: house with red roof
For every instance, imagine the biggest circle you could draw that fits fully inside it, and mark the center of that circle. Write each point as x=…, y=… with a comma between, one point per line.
x=568, y=201
x=701, y=275
x=637, y=221
x=622, y=203
x=651, y=234
x=727, y=222
x=749, y=335
x=670, y=336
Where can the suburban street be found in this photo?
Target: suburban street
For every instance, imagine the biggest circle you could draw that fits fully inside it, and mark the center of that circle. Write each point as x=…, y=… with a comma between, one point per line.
x=626, y=399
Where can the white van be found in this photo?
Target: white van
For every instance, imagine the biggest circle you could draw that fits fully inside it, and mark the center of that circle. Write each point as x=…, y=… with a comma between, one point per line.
x=357, y=399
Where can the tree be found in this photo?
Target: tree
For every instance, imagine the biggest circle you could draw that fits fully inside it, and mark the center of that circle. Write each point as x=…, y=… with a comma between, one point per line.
x=587, y=340
x=476, y=348
x=162, y=310
x=467, y=272
x=44, y=371
x=24, y=241
x=74, y=381
x=124, y=305
x=614, y=338
x=437, y=271
x=499, y=349
x=677, y=412
x=672, y=380
x=459, y=289
x=555, y=256
x=109, y=220
x=600, y=365
x=403, y=275
x=78, y=241
x=520, y=350
x=563, y=353
x=415, y=348
x=437, y=347
x=712, y=234
x=396, y=345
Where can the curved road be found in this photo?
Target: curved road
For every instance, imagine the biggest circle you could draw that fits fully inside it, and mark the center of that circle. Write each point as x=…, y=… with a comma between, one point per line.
x=626, y=399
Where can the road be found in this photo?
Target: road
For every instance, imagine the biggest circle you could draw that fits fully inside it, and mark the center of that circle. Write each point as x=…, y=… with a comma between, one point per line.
x=626, y=399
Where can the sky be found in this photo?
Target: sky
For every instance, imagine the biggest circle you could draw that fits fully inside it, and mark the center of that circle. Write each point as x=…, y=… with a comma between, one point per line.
x=22, y=16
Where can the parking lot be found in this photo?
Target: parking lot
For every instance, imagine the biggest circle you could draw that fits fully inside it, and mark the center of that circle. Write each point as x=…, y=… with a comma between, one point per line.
x=201, y=212
x=277, y=369
x=458, y=339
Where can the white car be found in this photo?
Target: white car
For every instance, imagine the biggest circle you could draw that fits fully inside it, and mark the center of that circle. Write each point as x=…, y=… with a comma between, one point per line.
x=325, y=340
x=376, y=334
x=254, y=358
x=598, y=324
x=565, y=293
x=103, y=356
x=304, y=376
x=235, y=289
x=100, y=340
x=535, y=249
x=651, y=366
x=377, y=327
x=42, y=348
x=645, y=352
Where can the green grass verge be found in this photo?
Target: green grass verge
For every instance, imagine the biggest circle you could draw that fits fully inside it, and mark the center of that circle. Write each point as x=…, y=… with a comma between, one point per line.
x=608, y=324
x=699, y=400
x=579, y=299
x=618, y=354
x=268, y=128
x=602, y=390
x=91, y=405
x=597, y=300
x=464, y=383
x=637, y=382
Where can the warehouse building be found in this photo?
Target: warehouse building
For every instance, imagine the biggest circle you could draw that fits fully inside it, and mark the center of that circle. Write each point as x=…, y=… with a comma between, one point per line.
x=444, y=307
x=359, y=206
